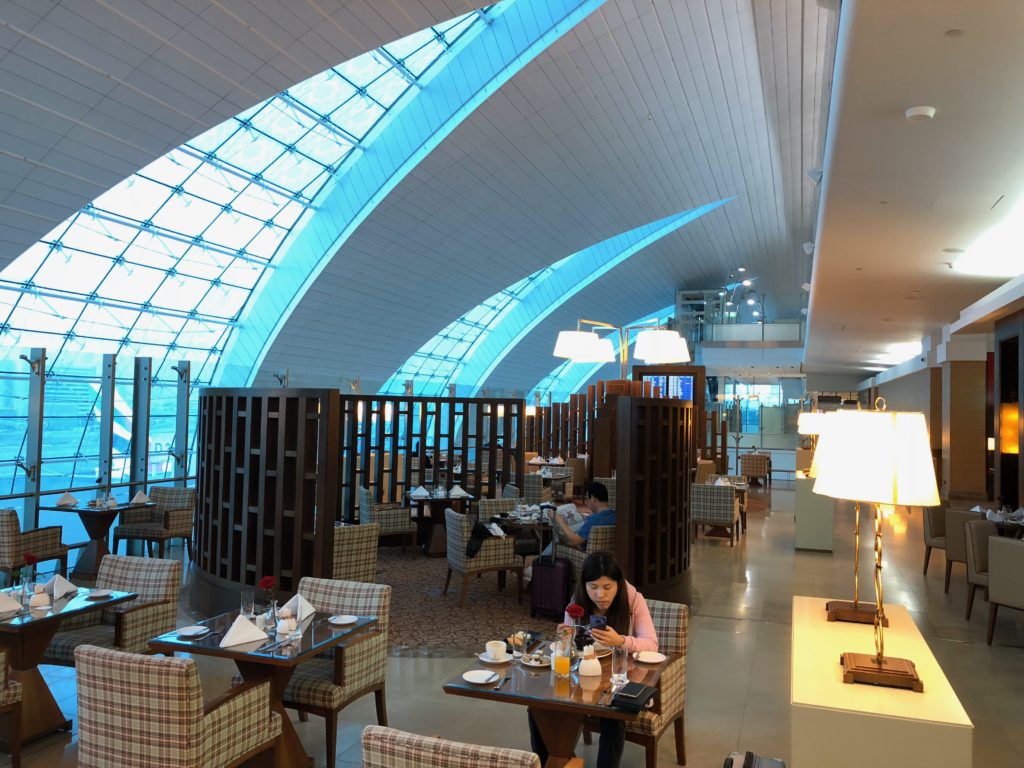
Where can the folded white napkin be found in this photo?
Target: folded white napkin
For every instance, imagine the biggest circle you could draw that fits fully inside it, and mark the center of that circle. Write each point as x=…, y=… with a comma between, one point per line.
x=496, y=530
x=458, y=469
x=996, y=517
x=537, y=460
x=1017, y=514
x=241, y=632
x=300, y=607
x=8, y=603
x=557, y=460
x=976, y=508
x=67, y=500
x=721, y=481
x=58, y=586
x=458, y=492
x=140, y=498
x=419, y=492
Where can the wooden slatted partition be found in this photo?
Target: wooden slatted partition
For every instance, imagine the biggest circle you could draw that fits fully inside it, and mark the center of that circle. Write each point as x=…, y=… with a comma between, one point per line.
x=656, y=444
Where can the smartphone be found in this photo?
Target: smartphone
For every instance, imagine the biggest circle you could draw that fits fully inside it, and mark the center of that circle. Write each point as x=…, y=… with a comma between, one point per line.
x=631, y=690
x=599, y=622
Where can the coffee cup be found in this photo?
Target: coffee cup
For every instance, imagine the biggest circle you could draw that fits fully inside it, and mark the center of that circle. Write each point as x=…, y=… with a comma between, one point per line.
x=496, y=649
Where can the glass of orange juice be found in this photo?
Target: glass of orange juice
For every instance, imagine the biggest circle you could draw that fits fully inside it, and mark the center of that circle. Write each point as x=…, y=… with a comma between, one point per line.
x=561, y=657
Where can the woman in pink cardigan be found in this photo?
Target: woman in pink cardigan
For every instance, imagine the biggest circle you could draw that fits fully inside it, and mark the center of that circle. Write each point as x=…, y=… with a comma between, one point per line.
x=602, y=590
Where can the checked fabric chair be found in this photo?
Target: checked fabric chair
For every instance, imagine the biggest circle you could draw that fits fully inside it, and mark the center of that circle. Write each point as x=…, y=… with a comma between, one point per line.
x=976, y=537
x=934, y=532
x=496, y=554
x=127, y=626
x=393, y=518
x=44, y=543
x=754, y=466
x=325, y=686
x=534, y=491
x=609, y=483
x=741, y=498
x=10, y=704
x=510, y=491
x=601, y=539
x=136, y=711
x=671, y=622
x=171, y=518
x=715, y=505
x=355, y=552
x=389, y=748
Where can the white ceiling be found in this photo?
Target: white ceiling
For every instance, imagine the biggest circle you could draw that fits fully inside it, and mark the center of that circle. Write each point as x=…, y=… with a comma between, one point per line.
x=896, y=194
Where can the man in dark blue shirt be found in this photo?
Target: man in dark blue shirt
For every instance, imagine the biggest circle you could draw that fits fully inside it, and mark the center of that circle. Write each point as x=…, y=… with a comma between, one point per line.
x=596, y=499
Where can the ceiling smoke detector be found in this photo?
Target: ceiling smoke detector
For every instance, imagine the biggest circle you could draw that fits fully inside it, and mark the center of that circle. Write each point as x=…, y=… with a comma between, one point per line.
x=919, y=114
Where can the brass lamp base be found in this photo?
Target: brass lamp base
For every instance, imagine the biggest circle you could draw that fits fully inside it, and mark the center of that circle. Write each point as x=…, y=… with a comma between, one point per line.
x=846, y=610
x=894, y=673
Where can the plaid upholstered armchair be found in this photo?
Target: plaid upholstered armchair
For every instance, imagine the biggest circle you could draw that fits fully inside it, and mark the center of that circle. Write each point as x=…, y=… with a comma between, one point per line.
x=325, y=686
x=127, y=626
x=393, y=518
x=44, y=543
x=171, y=518
x=510, y=491
x=387, y=748
x=601, y=539
x=756, y=466
x=741, y=496
x=10, y=704
x=715, y=505
x=609, y=483
x=355, y=552
x=136, y=711
x=534, y=491
x=496, y=554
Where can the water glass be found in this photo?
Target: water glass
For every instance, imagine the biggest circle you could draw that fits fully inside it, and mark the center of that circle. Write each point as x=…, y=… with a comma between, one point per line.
x=620, y=663
x=248, y=603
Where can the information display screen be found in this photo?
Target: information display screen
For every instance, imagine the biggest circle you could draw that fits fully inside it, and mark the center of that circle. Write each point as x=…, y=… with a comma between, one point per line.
x=680, y=387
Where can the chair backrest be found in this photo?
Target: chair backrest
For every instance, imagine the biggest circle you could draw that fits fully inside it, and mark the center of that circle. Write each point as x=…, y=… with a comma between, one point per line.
x=488, y=508
x=457, y=530
x=712, y=502
x=671, y=625
x=533, y=489
x=934, y=523
x=365, y=505
x=754, y=464
x=10, y=534
x=601, y=538
x=579, y=470
x=976, y=535
x=510, y=491
x=355, y=552
x=956, y=547
x=1006, y=571
x=704, y=468
x=387, y=748
x=167, y=498
x=609, y=483
x=352, y=597
x=153, y=579
x=136, y=710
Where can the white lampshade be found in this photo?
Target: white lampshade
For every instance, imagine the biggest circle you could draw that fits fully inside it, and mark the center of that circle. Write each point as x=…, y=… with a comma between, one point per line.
x=882, y=457
x=810, y=422
x=584, y=347
x=658, y=346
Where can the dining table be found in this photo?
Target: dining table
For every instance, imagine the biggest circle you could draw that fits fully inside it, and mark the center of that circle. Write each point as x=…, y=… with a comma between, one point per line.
x=431, y=535
x=26, y=634
x=559, y=705
x=274, y=659
x=96, y=519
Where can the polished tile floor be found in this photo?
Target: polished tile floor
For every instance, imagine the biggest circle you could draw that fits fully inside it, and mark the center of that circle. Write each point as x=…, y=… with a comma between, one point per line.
x=738, y=670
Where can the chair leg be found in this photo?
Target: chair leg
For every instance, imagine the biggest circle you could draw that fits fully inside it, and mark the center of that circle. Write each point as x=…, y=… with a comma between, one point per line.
x=160, y=548
x=650, y=752
x=113, y=547
x=64, y=566
x=188, y=548
x=927, y=556
x=992, y=609
x=949, y=571
x=447, y=582
x=382, y=705
x=331, y=723
x=972, y=588
x=303, y=716
x=680, y=740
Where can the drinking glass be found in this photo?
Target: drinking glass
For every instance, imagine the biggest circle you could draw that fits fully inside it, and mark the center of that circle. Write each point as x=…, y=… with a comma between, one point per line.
x=620, y=663
x=561, y=658
x=248, y=603
x=519, y=640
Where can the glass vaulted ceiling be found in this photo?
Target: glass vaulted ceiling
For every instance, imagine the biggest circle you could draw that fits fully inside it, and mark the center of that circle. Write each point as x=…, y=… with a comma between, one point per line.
x=163, y=264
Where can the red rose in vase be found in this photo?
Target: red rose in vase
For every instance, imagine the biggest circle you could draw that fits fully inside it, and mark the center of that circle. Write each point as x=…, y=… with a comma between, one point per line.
x=575, y=612
x=30, y=559
x=269, y=584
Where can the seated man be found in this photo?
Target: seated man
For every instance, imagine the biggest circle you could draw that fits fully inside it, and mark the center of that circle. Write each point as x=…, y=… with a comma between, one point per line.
x=596, y=499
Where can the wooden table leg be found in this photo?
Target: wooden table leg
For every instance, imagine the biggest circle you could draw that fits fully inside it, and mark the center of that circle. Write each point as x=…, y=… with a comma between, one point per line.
x=292, y=753
x=40, y=714
x=560, y=731
x=97, y=525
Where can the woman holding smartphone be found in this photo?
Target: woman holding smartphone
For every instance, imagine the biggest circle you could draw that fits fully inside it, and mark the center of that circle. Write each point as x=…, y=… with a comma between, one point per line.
x=607, y=598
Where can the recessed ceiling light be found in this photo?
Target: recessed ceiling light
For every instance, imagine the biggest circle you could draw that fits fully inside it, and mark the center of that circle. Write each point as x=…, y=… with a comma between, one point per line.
x=747, y=283
x=728, y=303
x=742, y=269
x=756, y=313
x=721, y=293
x=919, y=114
x=751, y=302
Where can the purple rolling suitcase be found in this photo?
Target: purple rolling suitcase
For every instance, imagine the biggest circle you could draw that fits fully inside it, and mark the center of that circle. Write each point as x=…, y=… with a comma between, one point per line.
x=549, y=587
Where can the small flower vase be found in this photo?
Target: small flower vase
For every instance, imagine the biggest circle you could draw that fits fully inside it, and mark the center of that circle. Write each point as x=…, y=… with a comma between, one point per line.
x=27, y=583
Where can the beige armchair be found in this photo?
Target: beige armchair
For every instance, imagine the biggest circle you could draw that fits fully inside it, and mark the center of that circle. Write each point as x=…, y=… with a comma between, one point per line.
x=355, y=552
x=388, y=748
x=1005, y=577
x=756, y=466
x=934, y=528
x=140, y=711
x=44, y=543
x=510, y=491
x=705, y=468
x=715, y=505
x=496, y=554
x=741, y=495
x=601, y=539
x=579, y=473
x=172, y=517
x=976, y=535
x=393, y=519
x=609, y=483
x=534, y=490
x=956, y=545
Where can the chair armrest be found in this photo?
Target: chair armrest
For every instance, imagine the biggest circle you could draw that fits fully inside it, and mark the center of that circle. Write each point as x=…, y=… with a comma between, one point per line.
x=134, y=625
x=339, y=654
x=392, y=518
x=178, y=520
x=44, y=542
x=136, y=517
x=238, y=722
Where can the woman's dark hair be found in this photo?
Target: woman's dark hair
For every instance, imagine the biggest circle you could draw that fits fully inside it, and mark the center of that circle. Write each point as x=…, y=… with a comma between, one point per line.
x=600, y=564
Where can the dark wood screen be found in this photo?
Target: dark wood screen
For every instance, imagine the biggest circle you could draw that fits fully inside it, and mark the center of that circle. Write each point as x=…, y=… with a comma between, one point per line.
x=656, y=440
x=385, y=440
x=267, y=482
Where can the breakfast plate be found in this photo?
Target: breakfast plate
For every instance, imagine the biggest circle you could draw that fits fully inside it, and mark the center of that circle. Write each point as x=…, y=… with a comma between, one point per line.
x=192, y=632
x=649, y=657
x=486, y=658
x=343, y=620
x=98, y=594
x=536, y=660
x=480, y=676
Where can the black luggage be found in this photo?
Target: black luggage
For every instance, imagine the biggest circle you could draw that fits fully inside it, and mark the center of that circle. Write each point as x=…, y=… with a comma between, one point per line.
x=549, y=587
x=750, y=760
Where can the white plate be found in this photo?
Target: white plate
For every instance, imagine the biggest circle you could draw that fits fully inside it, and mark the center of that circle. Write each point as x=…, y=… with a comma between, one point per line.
x=486, y=658
x=193, y=631
x=528, y=663
x=649, y=657
x=480, y=676
x=98, y=594
x=341, y=621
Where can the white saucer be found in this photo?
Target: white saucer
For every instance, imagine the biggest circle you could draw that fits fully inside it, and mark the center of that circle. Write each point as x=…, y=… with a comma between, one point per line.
x=487, y=659
x=193, y=631
x=528, y=663
x=480, y=676
x=649, y=657
x=342, y=621
x=98, y=594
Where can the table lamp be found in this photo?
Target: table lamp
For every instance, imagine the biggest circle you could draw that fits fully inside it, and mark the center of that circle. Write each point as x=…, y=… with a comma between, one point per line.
x=880, y=457
x=809, y=424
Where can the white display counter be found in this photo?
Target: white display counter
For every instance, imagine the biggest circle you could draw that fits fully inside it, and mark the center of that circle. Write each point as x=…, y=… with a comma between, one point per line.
x=843, y=725
x=814, y=517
